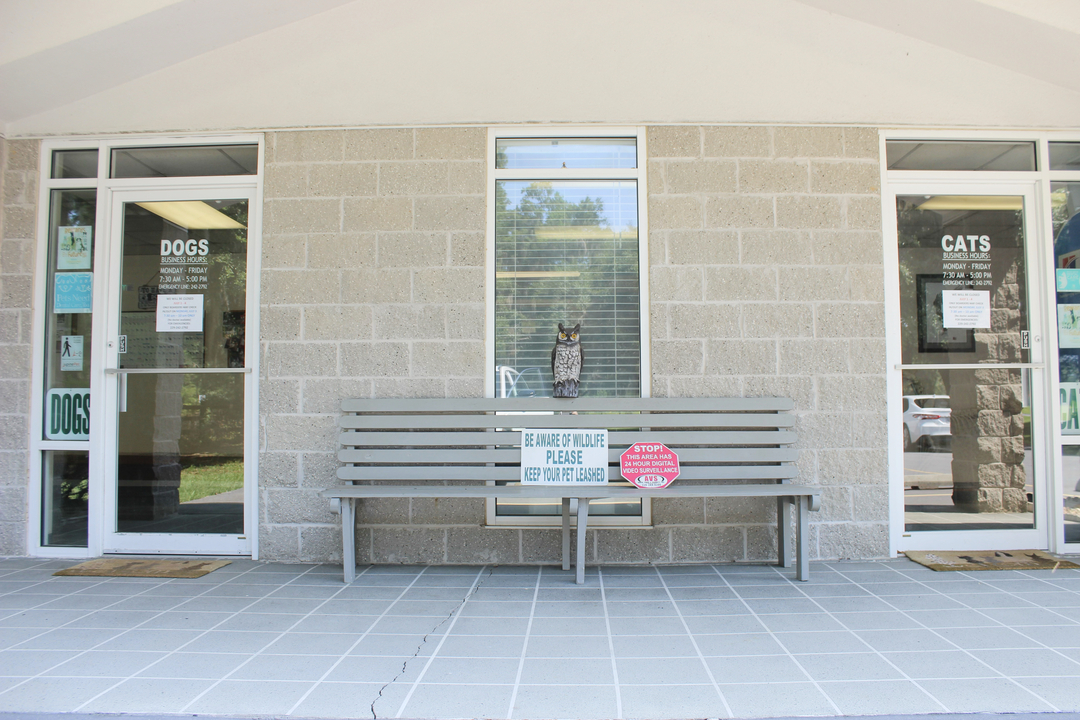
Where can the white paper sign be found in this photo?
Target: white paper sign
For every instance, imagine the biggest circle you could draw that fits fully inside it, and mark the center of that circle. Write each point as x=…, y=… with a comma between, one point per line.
x=71, y=352
x=73, y=247
x=179, y=313
x=564, y=457
x=965, y=308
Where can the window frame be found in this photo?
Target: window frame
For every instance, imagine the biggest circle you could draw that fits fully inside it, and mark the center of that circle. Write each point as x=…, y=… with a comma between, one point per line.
x=639, y=176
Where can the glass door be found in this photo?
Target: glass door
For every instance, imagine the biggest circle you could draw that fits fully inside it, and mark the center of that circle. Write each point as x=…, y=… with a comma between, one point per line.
x=970, y=370
x=177, y=374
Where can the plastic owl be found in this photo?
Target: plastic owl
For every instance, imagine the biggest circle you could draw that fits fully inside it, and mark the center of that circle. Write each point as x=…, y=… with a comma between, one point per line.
x=566, y=360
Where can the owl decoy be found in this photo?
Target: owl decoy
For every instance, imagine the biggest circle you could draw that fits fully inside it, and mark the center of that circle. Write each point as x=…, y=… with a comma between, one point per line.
x=567, y=358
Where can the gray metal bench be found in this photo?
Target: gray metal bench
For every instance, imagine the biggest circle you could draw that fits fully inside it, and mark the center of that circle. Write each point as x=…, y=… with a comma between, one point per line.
x=728, y=447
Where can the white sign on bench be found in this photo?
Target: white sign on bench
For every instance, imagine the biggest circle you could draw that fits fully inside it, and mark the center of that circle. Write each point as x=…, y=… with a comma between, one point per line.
x=564, y=457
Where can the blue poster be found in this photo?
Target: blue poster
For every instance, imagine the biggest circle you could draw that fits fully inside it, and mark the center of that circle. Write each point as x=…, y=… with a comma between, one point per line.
x=73, y=292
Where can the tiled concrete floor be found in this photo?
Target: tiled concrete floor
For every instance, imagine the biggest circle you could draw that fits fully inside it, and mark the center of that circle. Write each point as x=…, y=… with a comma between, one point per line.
x=525, y=642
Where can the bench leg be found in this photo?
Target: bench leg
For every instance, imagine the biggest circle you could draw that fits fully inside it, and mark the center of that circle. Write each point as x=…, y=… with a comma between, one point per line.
x=566, y=533
x=802, y=564
x=783, y=531
x=348, y=538
x=582, y=521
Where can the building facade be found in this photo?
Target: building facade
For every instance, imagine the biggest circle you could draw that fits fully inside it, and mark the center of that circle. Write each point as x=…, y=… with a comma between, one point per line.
x=171, y=383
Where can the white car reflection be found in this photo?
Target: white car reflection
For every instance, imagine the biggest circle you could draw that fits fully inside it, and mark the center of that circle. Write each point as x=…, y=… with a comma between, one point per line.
x=927, y=423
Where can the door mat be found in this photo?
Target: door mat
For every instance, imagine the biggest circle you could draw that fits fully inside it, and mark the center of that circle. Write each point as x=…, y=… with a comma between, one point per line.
x=130, y=567
x=991, y=560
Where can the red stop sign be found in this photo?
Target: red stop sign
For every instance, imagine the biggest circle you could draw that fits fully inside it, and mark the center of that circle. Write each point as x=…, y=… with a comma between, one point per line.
x=649, y=465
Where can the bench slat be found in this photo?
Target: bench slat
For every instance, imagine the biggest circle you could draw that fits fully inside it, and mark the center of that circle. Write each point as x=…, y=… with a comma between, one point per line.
x=617, y=438
x=436, y=473
x=477, y=422
x=711, y=456
x=572, y=491
x=473, y=405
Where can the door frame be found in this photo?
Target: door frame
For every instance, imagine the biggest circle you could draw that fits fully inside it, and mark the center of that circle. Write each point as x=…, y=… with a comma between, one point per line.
x=114, y=541
x=250, y=186
x=939, y=183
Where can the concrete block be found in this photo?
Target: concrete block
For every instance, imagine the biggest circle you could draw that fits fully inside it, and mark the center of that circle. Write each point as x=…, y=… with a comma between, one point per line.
x=685, y=357
x=727, y=283
x=464, y=143
x=279, y=396
x=844, y=541
x=737, y=142
x=673, y=141
x=678, y=511
x=448, y=285
x=9, y=327
x=811, y=283
x=383, y=511
x=800, y=388
x=379, y=144
x=19, y=222
x=306, y=433
x=861, y=143
x=704, y=386
x=702, y=247
x=14, y=362
x=337, y=322
x=300, y=287
x=13, y=465
x=348, y=180
x=699, y=176
x=773, y=176
x=844, y=176
x=808, y=142
x=285, y=181
x=675, y=213
x=320, y=544
x=853, y=466
x=467, y=177
x=761, y=544
x=376, y=286
x=541, y=546
x=738, y=511
x=284, y=251
x=413, y=178
x=739, y=211
x=17, y=257
x=667, y=284
x=850, y=393
x=377, y=214
x=459, y=212
x=850, y=320
x=13, y=539
x=467, y=249
x=844, y=247
x=823, y=431
x=871, y=504
x=301, y=360
x=659, y=326
x=448, y=359
x=863, y=213
x=740, y=357
x=414, y=545
x=324, y=395
x=375, y=359
x=447, y=511
x=464, y=321
x=868, y=356
x=479, y=545
x=836, y=505
x=418, y=388
x=14, y=396
x=278, y=470
x=340, y=251
x=309, y=215
x=784, y=320
x=644, y=545
x=705, y=320
x=867, y=283
x=870, y=429
x=23, y=155
x=279, y=543
x=813, y=357
x=20, y=187
x=716, y=544
x=808, y=211
x=13, y=505
x=776, y=247
x=309, y=146
x=654, y=175
x=407, y=322
x=412, y=249
x=279, y=323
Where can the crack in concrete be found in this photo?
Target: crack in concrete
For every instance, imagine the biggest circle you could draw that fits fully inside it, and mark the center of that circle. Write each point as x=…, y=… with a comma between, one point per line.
x=423, y=641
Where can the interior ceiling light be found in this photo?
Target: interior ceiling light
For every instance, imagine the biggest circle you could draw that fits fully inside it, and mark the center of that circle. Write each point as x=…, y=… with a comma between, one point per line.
x=973, y=202
x=192, y=215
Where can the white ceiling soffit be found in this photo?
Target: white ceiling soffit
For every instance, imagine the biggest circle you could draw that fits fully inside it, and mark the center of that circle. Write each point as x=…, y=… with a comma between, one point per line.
x=194, y=65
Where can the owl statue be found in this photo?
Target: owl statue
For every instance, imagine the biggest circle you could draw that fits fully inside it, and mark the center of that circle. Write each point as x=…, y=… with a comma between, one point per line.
x=566, y=360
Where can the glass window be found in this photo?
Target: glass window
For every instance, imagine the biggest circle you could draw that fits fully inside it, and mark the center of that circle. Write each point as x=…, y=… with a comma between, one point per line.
x=75, y=164
x=65, y=489
x=1070, y=465
x=185, y=161
x=569, y=153
x=1065, y=204
x=959, y=155
x=1065, y=156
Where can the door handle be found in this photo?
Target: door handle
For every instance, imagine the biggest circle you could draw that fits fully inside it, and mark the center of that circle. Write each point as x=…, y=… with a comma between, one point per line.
x=123, y=392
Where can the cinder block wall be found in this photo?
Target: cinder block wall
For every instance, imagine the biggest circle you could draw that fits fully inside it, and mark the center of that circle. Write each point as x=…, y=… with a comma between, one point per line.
x=765, y=279
x=18, y=213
